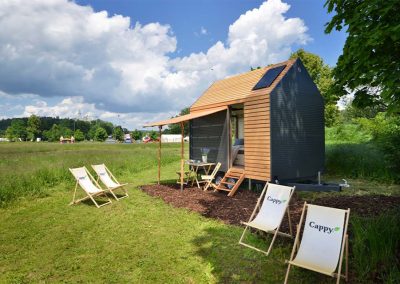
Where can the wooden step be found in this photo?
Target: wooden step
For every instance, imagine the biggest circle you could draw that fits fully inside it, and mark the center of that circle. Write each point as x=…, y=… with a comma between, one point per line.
x=235, y=173
x=224, y=189
x=232, y=176
x=227, y=182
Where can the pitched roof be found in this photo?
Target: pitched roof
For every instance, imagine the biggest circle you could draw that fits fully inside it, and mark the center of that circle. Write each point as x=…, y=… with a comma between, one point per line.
x=186, y=117
x=230, y=90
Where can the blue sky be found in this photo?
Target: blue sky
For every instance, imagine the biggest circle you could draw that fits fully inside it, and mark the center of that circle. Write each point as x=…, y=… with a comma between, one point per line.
x=133, y=61
x=186, y=19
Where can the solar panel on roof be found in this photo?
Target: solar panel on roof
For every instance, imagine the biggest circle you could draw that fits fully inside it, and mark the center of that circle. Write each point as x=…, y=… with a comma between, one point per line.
x=269, y=77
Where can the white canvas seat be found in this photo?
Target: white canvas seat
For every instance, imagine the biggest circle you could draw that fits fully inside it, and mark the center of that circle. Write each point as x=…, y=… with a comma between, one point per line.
x=86, y=181
x=108, y=179
x=209, y=178
x=323, y=241
x=275, y=203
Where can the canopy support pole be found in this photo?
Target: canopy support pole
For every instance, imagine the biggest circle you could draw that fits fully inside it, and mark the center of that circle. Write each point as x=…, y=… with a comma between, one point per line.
x=182, y=154
x=159, y=154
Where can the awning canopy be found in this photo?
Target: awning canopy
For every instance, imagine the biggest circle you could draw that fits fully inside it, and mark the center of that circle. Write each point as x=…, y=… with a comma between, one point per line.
x=186, y=117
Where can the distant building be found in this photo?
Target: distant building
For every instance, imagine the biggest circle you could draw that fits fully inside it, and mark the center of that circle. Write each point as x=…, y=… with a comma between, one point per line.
x=173, y=138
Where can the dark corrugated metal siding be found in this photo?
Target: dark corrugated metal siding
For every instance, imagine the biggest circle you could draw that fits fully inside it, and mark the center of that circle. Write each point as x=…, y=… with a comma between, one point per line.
x=297, y=126
x=211, y=131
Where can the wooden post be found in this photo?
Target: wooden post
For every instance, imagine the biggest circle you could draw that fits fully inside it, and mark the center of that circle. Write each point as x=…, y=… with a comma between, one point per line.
x=182, y=154
x=159, y=155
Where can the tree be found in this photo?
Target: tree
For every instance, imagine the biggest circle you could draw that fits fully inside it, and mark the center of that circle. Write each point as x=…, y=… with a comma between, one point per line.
x=16, y=130
x=331, y=115
x=118, y=133
x=53, y=134
x=153, y=135
x=33, y=128
x=370, y=63
x=176, y=128
x=78, y=135
x=137, y=134
x=100, y=134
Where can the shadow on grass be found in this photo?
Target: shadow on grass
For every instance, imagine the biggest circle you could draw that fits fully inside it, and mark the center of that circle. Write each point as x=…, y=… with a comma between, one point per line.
x=100, y=201
x=233, y=263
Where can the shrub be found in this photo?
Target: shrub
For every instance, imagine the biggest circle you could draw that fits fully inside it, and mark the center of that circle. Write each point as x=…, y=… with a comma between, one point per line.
x=385, y=130
x=100, y=134
x=79, y=136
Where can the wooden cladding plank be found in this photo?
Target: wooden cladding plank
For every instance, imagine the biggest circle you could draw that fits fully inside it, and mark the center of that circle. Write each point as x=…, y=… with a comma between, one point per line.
x=262, y=137
x=256, y=106
x=257, y=118
x=257, y=97
x=255, y=129
x=257, y=151
x=254, y=126
x=259, y=124
x=257, y=177
x=259, y=157
x=257, y=160
x=261, y=165
x=258, y=171
x=254, y=151
x=260, y=104
x=257, y=114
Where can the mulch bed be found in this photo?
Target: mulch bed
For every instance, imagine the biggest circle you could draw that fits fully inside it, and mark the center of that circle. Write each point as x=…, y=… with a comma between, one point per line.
x=233, y=210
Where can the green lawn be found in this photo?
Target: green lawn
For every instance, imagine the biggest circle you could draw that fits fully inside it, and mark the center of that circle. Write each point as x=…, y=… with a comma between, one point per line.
x=139, y=239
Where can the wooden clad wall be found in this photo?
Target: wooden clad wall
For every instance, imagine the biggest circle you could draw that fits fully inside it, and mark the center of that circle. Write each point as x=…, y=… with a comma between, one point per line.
x=257, y=137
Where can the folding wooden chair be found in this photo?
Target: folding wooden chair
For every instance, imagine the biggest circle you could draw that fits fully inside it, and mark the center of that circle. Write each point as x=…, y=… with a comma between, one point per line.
x=109, y=180
x=91, y=187
x=323, y=241
x=275, y=200
x=209, y=178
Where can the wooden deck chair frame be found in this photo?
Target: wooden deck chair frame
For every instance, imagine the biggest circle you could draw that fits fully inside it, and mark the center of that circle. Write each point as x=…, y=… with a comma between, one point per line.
x=89, y=195
x=210, y=178
x=276, y=231
x=344, y=249
x=109, y=189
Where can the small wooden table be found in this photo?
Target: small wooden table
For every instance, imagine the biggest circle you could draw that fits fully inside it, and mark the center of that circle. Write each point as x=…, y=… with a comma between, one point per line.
x=194, y=168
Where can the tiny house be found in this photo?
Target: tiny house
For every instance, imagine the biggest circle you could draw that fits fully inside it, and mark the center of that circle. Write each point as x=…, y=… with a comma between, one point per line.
x=266, y=125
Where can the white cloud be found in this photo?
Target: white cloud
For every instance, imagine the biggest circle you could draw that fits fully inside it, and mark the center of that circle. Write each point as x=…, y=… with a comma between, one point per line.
x=203, y=31
x=75, y=107
x=110, y=65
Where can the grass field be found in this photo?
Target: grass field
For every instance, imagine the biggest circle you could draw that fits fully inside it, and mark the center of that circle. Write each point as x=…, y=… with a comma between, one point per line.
x=136, y=240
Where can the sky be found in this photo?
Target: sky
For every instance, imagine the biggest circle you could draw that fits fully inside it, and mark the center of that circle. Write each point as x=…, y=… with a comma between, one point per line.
x=131, y=62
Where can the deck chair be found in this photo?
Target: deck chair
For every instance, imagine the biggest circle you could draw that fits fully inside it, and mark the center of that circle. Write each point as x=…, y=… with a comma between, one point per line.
x=209, y=178
x=275, y=200
x=323, y=242
x=91, y=187
x=108, y=179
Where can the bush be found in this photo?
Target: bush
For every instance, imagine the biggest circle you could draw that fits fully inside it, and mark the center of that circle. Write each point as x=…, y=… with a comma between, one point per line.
x=385, y=131
x=375, y=246
x=100, y=134
x=352, y=160
x=347, y=133
x=79, y=136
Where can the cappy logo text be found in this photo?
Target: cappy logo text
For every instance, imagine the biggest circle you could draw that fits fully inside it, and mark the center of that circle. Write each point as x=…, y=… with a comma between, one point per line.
x=274, y=200
x=324, y=229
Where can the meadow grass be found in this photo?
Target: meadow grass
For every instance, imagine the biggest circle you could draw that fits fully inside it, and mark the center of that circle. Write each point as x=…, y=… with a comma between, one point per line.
x=376, y=241
x=33, y=170
x=139, y=239
x=350, y=153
